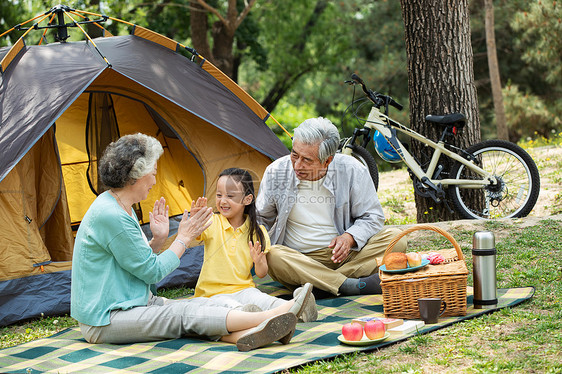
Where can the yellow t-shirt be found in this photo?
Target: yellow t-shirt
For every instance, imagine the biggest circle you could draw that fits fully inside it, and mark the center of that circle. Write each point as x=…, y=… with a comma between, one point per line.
x=227, y=263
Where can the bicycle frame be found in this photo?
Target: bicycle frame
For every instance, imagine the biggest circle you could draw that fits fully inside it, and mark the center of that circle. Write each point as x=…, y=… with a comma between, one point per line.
x=385, y=125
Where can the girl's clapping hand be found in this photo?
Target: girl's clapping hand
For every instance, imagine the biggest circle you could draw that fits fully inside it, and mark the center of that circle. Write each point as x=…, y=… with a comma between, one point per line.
x=258, y=256
x=196, y=206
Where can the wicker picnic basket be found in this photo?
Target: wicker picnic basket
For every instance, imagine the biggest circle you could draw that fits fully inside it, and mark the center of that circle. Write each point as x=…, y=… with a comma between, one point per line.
x=401, y=291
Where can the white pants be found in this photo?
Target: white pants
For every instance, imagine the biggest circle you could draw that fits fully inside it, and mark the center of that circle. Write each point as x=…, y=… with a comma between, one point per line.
x=247, y=296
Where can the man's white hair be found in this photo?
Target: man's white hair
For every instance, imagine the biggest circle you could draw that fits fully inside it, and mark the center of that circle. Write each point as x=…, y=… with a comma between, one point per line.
x=319, y=131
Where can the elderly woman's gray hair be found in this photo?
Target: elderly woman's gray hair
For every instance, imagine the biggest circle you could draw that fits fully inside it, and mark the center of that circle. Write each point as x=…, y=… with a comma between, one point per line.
x=319, y=131
x=128, y=159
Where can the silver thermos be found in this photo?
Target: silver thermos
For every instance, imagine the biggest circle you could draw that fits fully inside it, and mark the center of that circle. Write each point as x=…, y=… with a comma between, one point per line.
x=484, y=270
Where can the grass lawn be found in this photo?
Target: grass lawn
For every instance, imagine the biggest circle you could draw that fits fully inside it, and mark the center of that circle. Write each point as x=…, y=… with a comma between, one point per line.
x=526, y=338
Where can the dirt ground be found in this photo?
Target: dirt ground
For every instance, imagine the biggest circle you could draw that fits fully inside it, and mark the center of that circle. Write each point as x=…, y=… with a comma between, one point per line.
x=397, y=194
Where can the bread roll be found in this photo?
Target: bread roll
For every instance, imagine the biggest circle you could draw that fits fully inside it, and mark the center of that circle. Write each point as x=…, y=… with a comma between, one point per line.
x=395, y=261
x=414, y=259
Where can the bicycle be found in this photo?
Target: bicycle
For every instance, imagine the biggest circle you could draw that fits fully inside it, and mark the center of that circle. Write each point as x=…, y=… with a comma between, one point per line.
x=488, y=180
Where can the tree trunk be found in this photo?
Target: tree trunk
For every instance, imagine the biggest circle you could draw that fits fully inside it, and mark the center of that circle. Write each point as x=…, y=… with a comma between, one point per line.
x=223, y=41
x=501, y=123
x=282, y=85
x=199, y=25
x=222, y=32
x=441, y=80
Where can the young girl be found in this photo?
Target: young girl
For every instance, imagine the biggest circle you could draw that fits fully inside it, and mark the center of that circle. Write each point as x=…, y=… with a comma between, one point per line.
x=234, y=244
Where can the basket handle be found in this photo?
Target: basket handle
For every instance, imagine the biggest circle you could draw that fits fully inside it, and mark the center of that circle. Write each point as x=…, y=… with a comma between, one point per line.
x=423, y=227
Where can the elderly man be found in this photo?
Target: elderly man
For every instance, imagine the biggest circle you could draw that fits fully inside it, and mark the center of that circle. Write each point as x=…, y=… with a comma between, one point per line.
x=323, y=215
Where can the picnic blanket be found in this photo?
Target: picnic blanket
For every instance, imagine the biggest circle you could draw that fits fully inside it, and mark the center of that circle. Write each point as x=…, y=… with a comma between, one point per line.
x=68, y=352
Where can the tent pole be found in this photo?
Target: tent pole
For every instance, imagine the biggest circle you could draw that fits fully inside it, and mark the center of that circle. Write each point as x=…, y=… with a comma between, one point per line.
x=100, y=15
x=21, y=24
x=95, y=23
x=62, y=32
x=88, y=37
x=45, y=31
x=280, y=125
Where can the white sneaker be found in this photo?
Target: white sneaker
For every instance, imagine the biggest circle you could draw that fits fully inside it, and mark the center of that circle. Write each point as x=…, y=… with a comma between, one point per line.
x=305, y=304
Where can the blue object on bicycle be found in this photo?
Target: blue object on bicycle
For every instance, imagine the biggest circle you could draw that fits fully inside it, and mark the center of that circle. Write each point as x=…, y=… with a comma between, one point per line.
x=384, y=149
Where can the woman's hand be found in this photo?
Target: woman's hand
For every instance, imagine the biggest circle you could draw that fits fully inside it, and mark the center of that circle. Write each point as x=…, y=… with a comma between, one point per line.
x=259, y=258
x=159, y=224
x=192, y=227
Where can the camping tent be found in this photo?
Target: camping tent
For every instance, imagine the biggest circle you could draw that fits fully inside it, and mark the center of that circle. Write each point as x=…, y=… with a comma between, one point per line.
x=62, y=103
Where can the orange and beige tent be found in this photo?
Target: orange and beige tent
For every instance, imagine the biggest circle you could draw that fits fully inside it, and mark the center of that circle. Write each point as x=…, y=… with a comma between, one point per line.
x=61, y=103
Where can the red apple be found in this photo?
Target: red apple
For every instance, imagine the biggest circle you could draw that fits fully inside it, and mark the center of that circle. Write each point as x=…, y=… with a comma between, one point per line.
x=352, y=331
x=374, y=329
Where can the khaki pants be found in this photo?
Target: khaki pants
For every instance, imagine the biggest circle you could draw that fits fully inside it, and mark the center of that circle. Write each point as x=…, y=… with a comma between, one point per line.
x=293, y=268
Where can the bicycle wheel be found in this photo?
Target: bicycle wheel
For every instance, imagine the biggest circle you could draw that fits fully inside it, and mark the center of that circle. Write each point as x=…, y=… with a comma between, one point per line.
x=368, y=160
x=517, y=191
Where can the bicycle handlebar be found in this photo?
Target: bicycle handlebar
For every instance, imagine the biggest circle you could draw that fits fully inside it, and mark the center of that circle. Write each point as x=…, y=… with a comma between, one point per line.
x=377, y=98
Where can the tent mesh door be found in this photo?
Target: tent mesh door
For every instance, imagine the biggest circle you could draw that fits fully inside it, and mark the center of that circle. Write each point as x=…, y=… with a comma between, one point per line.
x=101, y=129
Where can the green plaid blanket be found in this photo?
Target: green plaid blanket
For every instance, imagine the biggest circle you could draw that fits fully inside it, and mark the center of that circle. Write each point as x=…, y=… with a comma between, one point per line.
x=68, y=352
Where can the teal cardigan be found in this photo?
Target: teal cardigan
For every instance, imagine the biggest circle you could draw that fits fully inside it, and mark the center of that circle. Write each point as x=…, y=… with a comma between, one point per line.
x=112, y=265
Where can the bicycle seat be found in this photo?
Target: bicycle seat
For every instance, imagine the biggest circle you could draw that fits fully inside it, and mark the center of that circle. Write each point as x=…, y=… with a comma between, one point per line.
x=458, y=119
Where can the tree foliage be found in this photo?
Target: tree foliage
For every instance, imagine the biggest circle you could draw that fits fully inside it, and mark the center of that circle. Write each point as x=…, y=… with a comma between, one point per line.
x=541, y=27
x=10, y=15
x=281, y=51
x=294, y=56
x=364, y=37
x=528, y=115
x=302, y=42
x=518, y=32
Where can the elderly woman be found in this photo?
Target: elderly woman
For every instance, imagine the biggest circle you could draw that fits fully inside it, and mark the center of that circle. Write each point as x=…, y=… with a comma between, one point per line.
x=114, y=266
